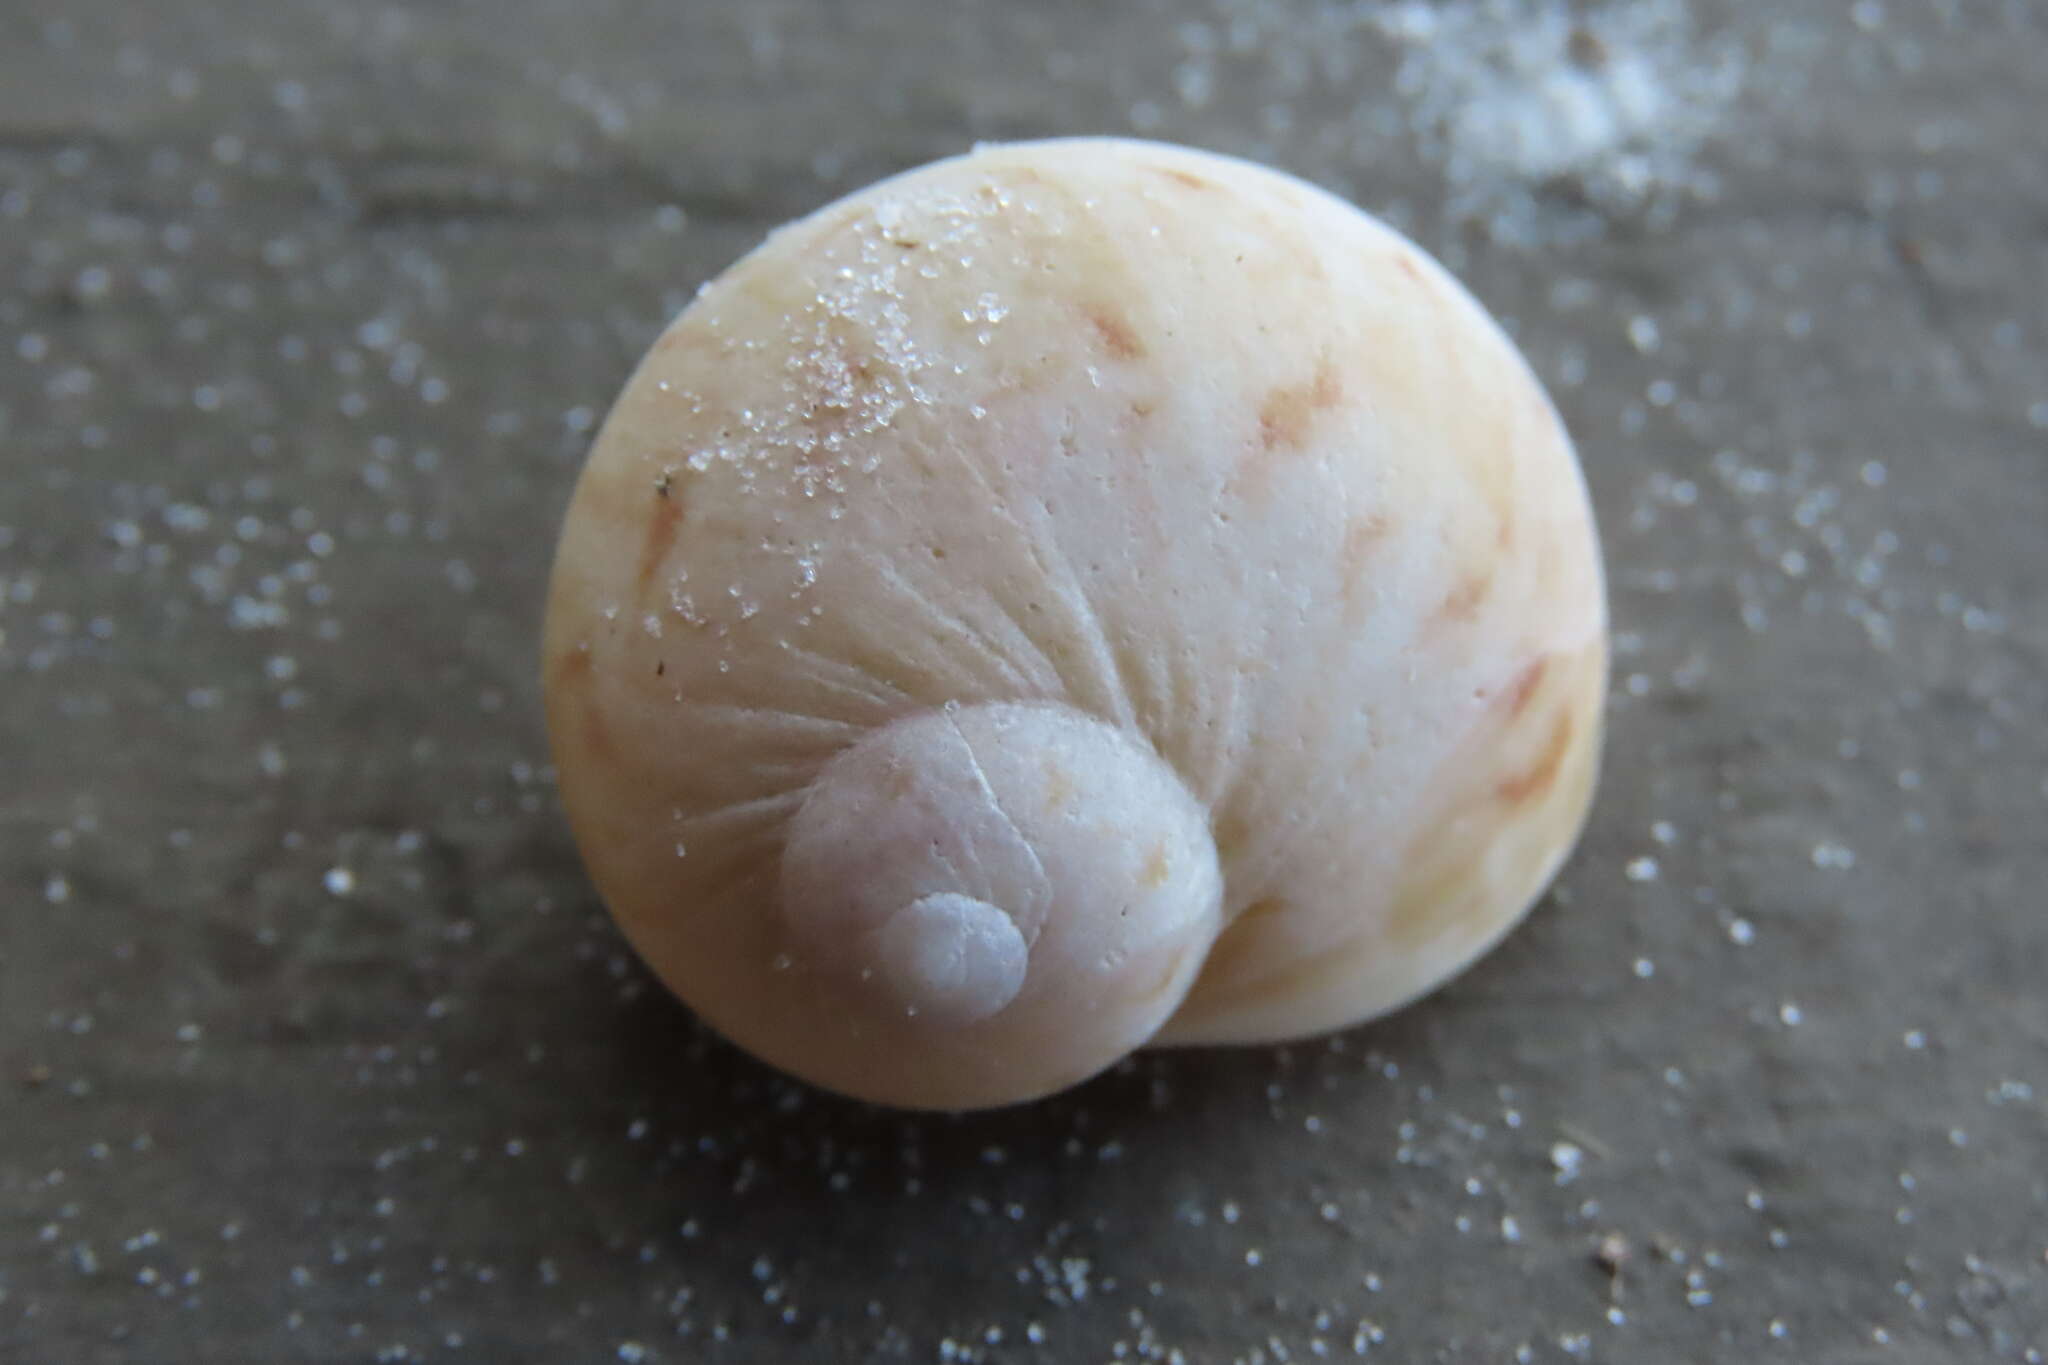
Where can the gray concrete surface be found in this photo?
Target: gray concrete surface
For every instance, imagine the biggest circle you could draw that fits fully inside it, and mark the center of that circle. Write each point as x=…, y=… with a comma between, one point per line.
x=315, y=1044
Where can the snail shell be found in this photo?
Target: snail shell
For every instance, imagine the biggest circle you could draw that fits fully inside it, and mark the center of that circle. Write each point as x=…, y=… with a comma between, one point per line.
x=1072, y=597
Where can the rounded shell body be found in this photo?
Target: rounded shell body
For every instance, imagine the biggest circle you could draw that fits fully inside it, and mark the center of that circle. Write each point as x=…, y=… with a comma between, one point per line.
x=1074, y=596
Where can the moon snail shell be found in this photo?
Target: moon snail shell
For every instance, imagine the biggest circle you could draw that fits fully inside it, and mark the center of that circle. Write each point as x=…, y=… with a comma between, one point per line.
x=1079, y=596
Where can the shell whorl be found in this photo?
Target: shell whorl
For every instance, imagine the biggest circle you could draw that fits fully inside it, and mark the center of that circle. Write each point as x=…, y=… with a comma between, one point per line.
x=979, y=866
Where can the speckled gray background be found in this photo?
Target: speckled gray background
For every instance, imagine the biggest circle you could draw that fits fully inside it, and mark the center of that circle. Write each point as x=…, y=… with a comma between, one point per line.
x=315, y=1045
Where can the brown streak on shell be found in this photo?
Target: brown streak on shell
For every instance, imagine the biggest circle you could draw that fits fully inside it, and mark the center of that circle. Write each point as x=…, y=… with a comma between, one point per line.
x=571, y=666
x=661, y=529
x=1287, y=413
x=1117, y=337
x=1462, y=604
x=1360, y=537
x=1538, y=778
x=597, y=736
x=573, y=671
x=1193, y=182
x=1523, y=690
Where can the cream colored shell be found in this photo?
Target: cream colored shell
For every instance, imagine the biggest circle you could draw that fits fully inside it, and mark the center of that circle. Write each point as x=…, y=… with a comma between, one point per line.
x=1076, y=596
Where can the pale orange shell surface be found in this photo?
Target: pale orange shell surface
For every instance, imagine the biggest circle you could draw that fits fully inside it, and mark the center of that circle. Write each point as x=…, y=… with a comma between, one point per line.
x=1219, y=527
